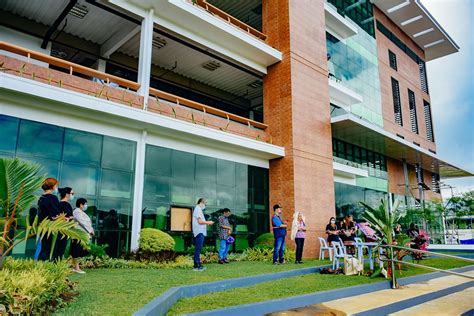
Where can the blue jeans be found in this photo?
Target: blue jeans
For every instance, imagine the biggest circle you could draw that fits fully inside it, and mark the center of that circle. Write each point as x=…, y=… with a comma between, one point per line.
x=223, y=249
x=279, y=249
x=198, y=243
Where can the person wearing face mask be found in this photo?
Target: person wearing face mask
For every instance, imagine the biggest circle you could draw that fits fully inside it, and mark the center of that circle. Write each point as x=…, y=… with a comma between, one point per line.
x=48, y=205
x=66, y=194
x=332, y=230
x=83, y=222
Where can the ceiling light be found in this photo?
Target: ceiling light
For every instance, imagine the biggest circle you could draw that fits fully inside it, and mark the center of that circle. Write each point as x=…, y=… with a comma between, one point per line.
x=434, y=43
x=211, y=65
x=399, y=6
x=58, y=53
x=423, y=32
x=416, y=18
x=158, y=42
x=79, y=11
x=256, y=84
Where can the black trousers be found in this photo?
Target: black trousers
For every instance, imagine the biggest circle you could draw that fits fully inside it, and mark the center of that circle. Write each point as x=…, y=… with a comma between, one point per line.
x=299, y=248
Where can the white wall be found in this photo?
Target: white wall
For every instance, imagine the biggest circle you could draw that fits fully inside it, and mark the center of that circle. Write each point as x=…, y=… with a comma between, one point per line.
x=24, y=40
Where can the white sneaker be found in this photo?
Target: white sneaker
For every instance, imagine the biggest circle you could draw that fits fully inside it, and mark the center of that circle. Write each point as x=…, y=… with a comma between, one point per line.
x=79, y=271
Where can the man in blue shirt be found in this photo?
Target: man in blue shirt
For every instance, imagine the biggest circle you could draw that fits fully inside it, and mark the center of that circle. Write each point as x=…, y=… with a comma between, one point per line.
x=279, y=233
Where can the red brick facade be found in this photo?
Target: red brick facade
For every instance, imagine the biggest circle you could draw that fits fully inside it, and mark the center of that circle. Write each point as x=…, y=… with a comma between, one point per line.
x=296, y=101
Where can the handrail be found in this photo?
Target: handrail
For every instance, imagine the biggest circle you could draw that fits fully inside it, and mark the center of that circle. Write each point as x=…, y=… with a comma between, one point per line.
x=392, y=261
x=229, y=18
x=205, y=108
x=72, y=67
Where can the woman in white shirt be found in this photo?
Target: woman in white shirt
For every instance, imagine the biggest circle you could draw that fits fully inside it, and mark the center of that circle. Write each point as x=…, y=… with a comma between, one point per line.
x=83, y=222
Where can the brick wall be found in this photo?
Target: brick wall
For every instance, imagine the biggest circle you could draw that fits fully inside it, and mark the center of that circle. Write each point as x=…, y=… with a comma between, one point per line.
x=296, y=103
x=408, y=77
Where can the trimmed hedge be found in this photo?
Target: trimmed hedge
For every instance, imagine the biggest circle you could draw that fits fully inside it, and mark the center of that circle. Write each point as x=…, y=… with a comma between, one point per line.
x=154, y=241
x=264, y=241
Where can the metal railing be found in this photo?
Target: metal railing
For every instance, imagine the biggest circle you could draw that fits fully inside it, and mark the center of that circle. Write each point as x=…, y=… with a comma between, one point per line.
x=392, y=261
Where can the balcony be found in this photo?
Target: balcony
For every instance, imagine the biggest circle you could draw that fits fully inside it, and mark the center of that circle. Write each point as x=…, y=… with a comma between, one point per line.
x=115, y=95
x=337, y=24
x=348, y=169
x=203, y=23
x=342, y=96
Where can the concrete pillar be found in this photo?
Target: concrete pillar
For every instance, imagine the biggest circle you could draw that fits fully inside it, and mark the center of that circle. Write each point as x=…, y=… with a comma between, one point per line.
x=138, y=191
x=296, y=109
x=144, y=59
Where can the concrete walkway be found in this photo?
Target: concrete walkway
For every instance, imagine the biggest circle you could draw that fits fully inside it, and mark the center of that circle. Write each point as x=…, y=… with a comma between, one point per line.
x=432, y=300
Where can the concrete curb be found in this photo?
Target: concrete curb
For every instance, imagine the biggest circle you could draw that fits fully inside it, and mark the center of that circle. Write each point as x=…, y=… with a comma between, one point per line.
x=266, y=307
x=161, y=304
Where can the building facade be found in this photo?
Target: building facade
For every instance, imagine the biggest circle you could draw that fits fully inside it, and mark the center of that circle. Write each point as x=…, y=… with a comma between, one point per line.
x=143, y=107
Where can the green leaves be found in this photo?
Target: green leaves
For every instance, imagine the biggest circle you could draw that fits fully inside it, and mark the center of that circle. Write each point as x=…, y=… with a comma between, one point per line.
x=382, y=219
x=18, y=181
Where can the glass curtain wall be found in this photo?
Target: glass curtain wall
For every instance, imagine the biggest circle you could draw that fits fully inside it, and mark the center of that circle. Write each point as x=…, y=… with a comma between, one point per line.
x=98, y=168
x=354, y=62
x=175, y=180
x=349, y=196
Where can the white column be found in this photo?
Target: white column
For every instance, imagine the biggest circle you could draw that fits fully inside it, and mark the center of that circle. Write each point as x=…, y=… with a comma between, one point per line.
x=138, y=191
x=144, y=59
x=101, y=63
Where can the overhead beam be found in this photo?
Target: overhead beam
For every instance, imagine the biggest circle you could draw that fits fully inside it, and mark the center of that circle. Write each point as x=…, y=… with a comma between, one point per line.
x=117, y=40
x=56, y=23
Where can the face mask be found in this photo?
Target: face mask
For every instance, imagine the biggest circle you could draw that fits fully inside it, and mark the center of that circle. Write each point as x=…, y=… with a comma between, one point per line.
x=72, y=198
x=55, y=191
x=84, y=208
x=333, y=221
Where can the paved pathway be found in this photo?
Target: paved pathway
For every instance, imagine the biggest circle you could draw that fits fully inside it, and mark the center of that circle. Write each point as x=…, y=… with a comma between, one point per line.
x=456, y=303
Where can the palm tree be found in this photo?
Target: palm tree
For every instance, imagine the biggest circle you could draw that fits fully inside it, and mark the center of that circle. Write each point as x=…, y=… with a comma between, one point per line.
x=383, y=220
x=19, y=180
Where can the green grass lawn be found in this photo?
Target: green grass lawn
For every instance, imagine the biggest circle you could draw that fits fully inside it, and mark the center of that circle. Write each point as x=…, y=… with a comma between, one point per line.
x=291, y=287
x=123, y=291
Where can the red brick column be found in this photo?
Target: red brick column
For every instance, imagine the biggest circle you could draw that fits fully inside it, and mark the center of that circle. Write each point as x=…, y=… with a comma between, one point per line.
x=296, y=107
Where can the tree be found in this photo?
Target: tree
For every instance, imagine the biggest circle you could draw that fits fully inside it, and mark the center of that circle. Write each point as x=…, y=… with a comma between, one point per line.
x=19, y=180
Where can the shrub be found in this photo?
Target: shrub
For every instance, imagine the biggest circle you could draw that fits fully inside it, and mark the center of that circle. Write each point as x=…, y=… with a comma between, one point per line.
x=30, y=287
x=107, y=262
x=264, y=241
x=97, y=251
x=266, y=254
x=154, y=241
x=204, y=250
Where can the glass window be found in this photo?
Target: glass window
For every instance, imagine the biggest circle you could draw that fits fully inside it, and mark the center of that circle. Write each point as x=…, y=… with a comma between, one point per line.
x=182, y=192
x=42, y=140
x=118, y=153
x=9, y=128
x=225, y=196
x=205, y=169
x=206, y=190
x=81, y=178
x=156, y=188
x=158, y=161
x=155, y=215
x=82, y=147
x=116, y=184
x=226, y=172
x=182, y=165
x=123, y=209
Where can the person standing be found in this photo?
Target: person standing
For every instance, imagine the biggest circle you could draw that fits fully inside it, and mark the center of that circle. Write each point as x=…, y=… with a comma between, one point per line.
x=224, y=232
x=66, y=194
x=279, y=233
x=48, y=205
x=199, y=232
x=298, y=234
x=84, y=223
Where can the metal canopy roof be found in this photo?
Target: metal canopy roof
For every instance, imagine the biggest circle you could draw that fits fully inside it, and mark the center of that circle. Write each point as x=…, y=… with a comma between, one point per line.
x=357, y=131
x=415, y=20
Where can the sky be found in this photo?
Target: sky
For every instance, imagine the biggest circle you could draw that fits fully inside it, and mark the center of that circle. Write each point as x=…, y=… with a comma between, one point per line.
x=451, y=86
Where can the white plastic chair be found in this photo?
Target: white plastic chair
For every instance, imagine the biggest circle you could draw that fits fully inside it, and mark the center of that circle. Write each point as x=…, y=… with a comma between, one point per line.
x=339, y=253
x=323, y=246
x=360, y=250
